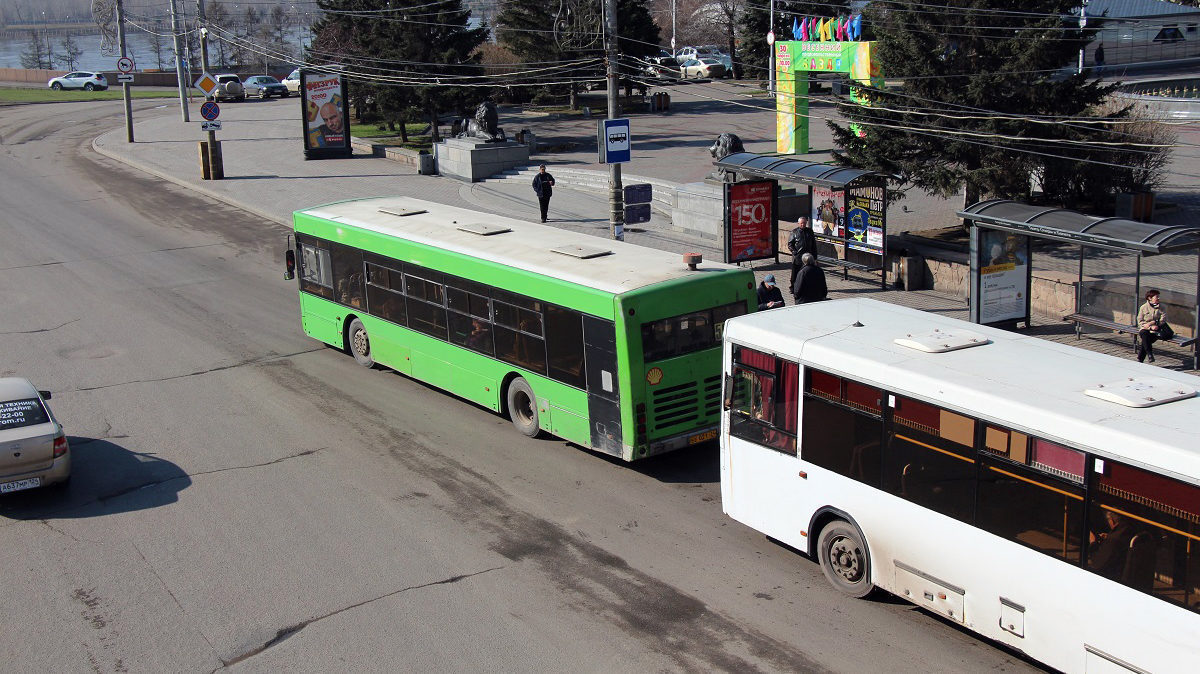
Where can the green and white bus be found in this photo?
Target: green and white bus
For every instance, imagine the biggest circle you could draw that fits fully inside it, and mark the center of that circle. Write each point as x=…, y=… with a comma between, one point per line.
x=605, y=344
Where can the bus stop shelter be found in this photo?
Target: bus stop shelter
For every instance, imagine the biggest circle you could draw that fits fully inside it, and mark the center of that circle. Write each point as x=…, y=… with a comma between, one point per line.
x=847, y=206
x=1001, y=232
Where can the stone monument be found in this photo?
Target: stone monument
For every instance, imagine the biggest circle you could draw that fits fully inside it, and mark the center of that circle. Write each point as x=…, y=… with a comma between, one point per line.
x=478, y=147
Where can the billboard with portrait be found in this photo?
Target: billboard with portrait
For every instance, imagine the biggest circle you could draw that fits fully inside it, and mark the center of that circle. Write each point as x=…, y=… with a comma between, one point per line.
x=1002, y=276
x=751, y=225
x=326, y=114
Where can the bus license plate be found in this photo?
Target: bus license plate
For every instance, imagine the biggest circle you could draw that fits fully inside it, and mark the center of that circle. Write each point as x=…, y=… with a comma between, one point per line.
x=702, y=437
x=20, y=484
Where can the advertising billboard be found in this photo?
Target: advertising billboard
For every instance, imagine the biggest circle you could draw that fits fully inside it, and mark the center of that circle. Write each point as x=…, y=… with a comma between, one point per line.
x=751, y=224
x=326, y=114
x=1001, y=284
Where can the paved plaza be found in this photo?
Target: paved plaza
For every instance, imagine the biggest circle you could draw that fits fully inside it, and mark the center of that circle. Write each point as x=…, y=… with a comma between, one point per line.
x=266, y=173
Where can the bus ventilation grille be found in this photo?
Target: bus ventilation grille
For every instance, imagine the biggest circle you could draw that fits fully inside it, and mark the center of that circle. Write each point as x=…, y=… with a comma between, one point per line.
x=686, y=406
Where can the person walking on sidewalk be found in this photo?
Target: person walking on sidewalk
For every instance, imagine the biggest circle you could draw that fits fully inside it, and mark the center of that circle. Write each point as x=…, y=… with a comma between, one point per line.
x=543, y=187
x=801, y=241
x=769, y=296
x=810, y=282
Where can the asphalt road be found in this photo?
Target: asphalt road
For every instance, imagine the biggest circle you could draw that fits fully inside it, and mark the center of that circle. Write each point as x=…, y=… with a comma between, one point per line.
x=245, y=498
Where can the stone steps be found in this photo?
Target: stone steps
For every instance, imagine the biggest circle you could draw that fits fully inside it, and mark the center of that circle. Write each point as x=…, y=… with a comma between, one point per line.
x=591, y=180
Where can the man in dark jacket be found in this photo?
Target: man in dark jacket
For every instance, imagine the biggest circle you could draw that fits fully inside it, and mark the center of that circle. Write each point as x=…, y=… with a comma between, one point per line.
x=769, y=296
x=810, y=282
x=801, y=241
x=543, y=187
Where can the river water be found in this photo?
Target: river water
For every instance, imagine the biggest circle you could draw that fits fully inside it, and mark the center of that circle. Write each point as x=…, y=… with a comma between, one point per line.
x=137, y=45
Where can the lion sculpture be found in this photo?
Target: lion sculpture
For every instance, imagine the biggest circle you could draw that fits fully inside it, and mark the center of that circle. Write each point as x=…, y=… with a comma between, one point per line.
x=485, y=125
x=725, y=145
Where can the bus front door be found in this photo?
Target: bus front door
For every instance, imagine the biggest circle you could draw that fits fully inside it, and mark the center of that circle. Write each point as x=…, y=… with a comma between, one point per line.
x=604, y=408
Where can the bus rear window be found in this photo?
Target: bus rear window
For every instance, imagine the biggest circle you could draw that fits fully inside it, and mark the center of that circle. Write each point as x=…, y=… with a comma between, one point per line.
x=686, y=333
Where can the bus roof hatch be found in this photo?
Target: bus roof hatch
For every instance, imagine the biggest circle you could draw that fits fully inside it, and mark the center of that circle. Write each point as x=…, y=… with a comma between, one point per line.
x=940, y=340
x=1141, y=391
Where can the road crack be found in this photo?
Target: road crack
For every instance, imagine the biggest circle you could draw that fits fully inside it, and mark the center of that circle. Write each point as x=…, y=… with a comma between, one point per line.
x=34, y=332
x=289, y=632
x=220, y=368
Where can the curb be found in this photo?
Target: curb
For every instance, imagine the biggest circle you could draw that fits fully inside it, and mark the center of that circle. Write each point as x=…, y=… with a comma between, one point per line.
x=195, y=187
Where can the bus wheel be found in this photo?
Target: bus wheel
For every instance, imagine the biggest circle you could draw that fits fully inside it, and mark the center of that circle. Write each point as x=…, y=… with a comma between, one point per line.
x=843, y=558
x=522, y=407
x=360, y=344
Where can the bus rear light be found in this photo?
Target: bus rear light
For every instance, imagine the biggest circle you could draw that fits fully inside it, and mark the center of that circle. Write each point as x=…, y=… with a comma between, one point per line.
x=60, y=445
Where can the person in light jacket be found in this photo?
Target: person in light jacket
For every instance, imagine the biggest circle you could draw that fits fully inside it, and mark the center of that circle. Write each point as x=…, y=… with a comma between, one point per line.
x=1150, y=319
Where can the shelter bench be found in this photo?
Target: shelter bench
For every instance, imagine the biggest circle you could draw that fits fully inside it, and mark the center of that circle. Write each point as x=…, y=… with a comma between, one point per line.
x=1081, y=319
x=847, y=265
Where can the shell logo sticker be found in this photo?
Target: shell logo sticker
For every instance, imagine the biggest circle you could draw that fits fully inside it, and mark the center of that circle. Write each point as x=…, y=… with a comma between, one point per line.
x=654, y=376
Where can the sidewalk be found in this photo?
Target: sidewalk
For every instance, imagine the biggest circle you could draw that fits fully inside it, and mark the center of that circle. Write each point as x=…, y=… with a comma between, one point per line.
x=266, y=174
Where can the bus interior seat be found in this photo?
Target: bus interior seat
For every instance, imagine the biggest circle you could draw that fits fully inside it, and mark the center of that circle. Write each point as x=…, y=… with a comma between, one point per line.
x=1139, y=562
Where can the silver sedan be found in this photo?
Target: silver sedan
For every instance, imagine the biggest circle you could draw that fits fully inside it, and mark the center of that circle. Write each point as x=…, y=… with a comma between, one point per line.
x=33, y=447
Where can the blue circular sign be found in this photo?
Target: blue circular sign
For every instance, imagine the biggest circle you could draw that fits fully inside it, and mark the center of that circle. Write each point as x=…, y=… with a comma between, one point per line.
x=210, y=110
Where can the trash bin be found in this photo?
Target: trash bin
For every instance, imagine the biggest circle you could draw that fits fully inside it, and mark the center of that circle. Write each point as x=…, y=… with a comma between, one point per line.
x=426, y=166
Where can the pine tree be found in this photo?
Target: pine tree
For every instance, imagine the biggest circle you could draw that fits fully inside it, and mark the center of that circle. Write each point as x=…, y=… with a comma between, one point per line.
x=979, y=87
x=425, y=51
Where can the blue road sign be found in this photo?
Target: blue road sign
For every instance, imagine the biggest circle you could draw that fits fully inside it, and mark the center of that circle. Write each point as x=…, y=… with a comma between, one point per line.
x=639, y=194
x=210, y=110
x=614, y=141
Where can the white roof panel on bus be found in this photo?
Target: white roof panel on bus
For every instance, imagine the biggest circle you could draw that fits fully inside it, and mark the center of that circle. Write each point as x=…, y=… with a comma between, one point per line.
x=528, y=246
x=1026, y=382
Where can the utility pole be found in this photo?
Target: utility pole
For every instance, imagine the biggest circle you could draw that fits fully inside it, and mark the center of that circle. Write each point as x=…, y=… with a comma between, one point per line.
x=673, y=28
x=211, y=149
x=124, y=85
x=616, y=199
x=1082, y=25
x=183, y=102
x=771, y=50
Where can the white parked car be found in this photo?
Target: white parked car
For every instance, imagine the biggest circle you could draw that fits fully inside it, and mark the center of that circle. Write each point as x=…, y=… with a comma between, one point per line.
x=33, y=447
x=86, y=80
x=701, y=68
x=292, y=81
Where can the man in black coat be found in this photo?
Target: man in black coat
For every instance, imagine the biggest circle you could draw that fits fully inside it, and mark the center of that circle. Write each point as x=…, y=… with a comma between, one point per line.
x=543, y=187
x=801, y=241
x=810, y=282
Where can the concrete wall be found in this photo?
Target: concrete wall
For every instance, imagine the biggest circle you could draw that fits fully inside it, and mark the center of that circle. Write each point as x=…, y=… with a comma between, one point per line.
x=41, y=77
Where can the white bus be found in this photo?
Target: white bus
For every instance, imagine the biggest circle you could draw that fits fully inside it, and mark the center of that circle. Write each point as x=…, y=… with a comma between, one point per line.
x=1041, y=495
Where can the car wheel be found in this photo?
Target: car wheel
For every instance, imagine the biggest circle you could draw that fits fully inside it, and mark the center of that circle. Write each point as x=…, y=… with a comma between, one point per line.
x=57, y=86
x=360, y=343
x=522, y=407
x=88, y=87
x=285, y=94
x=241, y=99
x=844, y=561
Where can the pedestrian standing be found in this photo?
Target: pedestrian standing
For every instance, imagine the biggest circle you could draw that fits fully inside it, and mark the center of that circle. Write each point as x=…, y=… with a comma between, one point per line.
x=801, y=241
x=810, y=282
x=543, y=187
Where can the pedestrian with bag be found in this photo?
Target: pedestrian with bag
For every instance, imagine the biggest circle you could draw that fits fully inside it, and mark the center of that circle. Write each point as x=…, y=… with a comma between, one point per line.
x=1152, y=326
x=543, y=187
x=810, y=282
x=801, y=241
x=769, y=295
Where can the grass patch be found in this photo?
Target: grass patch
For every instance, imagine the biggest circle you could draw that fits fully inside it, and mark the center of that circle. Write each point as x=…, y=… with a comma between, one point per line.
x=372, y=130
x=47, y=95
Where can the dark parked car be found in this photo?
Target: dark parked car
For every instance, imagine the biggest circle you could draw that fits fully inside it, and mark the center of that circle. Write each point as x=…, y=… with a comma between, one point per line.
x=265, y=86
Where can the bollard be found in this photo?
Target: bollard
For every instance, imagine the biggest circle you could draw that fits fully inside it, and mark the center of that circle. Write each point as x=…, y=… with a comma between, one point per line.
x=215, y=161
x=205, y=169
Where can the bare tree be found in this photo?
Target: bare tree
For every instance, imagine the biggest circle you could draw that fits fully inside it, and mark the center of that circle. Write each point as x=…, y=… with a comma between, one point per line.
x=70, y=51
x=38, y=55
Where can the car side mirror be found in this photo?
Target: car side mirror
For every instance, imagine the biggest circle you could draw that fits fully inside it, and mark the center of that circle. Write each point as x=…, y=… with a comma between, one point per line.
x=290, y=258
x=45, y=395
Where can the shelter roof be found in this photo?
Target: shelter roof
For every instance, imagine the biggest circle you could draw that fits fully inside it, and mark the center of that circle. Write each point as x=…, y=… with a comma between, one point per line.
x=1059, y=224
x=795, y=170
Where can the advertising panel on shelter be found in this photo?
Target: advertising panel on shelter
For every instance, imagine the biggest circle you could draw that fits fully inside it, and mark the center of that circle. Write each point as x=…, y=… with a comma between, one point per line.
x=865, y=217
x=828, y=213
x=751, y=227
x=326, y=114
x=1002, y=259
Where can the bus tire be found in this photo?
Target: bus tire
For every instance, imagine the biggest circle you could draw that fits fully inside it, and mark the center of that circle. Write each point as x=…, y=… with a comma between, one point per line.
x=522, y=407
x=844, y=560
x=360, y=343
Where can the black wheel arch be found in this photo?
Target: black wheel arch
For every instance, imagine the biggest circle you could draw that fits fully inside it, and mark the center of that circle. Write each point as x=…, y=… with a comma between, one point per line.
x=349, y=318
x=822, y=518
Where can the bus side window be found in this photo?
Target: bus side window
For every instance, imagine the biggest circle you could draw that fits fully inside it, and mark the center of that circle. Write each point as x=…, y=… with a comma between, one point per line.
x=316, y=275
x=1145, y=533
x=930, y=460
x=348, y=275
x=842, y=426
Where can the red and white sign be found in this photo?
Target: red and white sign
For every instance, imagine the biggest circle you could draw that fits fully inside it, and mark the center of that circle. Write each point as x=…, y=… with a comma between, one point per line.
x=750, y=220
x=125, y=64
